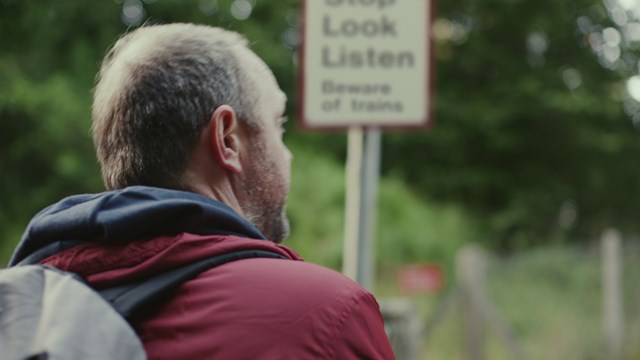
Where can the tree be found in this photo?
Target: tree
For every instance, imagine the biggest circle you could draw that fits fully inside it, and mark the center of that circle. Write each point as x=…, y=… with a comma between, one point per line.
x=529, y=134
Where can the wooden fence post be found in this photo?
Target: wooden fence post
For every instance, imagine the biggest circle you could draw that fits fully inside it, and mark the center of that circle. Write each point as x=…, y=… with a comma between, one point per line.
x=470, y=268
x=403, y=327
x=613, y=323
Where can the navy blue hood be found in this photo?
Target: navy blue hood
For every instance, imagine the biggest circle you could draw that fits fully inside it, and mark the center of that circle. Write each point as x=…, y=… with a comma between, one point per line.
x=128, y=214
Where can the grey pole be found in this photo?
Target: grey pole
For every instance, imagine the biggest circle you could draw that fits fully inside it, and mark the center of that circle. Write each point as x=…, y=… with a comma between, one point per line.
x=363, y=173
x=370, y=174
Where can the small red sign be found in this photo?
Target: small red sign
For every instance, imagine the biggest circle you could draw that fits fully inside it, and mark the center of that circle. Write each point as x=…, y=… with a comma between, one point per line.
x=420, y=279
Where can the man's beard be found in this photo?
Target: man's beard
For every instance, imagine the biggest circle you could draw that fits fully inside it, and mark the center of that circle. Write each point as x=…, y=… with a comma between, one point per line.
x=272, y=222
x=264, y=198
x=267, y=215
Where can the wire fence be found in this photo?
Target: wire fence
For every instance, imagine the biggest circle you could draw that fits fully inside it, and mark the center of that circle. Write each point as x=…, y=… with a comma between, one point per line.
x=550, y=303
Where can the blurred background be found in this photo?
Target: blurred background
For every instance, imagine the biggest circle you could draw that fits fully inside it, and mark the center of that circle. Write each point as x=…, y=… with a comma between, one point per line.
x=523, y=195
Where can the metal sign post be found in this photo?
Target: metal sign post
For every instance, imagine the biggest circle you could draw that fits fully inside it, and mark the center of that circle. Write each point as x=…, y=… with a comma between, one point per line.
x=365, y=65
x=353, y=204
x=363, y=172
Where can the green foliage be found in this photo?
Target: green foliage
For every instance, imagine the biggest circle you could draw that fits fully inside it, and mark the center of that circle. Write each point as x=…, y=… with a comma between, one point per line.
x=50, y=55
x=514, y=138
x=527, y=120
x=408, y=230
x=554, y=296
x=551, y=298
x=316, y=207
x=415, y=230
x=45, y=149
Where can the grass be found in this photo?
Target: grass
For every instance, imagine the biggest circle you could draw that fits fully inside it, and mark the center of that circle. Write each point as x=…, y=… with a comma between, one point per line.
x=551, y=298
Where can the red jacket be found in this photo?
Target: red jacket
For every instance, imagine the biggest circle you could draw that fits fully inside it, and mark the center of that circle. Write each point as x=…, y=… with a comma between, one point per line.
x=246, y=309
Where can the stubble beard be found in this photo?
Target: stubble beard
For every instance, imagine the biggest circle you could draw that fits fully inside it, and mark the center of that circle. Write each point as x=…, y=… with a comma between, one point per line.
x=267, y=215
x=265, y=196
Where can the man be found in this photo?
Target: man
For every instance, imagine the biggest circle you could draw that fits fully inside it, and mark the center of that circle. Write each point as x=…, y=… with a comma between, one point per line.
x=187, y=124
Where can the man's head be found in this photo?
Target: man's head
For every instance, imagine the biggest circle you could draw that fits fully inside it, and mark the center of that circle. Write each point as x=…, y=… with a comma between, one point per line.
x=191, y=107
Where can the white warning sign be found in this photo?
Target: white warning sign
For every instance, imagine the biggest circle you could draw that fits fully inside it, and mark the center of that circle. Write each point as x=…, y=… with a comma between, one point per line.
x=365, y=63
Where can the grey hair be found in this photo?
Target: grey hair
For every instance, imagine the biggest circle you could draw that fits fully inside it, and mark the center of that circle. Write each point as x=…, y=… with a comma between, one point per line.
x=156, y=89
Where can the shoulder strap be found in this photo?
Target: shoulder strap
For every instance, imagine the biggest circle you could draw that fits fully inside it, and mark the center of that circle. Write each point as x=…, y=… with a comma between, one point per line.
x=130, y=299
x=45, y=313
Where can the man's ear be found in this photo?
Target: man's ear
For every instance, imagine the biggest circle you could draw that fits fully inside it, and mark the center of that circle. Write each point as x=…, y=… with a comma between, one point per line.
x=225, y=139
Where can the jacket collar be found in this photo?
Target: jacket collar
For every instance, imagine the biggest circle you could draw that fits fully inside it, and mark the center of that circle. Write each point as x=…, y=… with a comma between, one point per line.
x=125, y=215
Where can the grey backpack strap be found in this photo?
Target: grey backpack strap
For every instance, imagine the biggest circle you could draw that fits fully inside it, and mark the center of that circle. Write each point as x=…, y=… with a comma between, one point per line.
x=131, y=299
x=46, y=313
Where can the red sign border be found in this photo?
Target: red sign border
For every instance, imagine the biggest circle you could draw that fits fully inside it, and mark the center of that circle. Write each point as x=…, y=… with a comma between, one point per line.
x=425, y=124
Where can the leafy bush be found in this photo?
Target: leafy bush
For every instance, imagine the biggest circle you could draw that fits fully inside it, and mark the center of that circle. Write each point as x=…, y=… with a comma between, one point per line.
x=408, y=229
